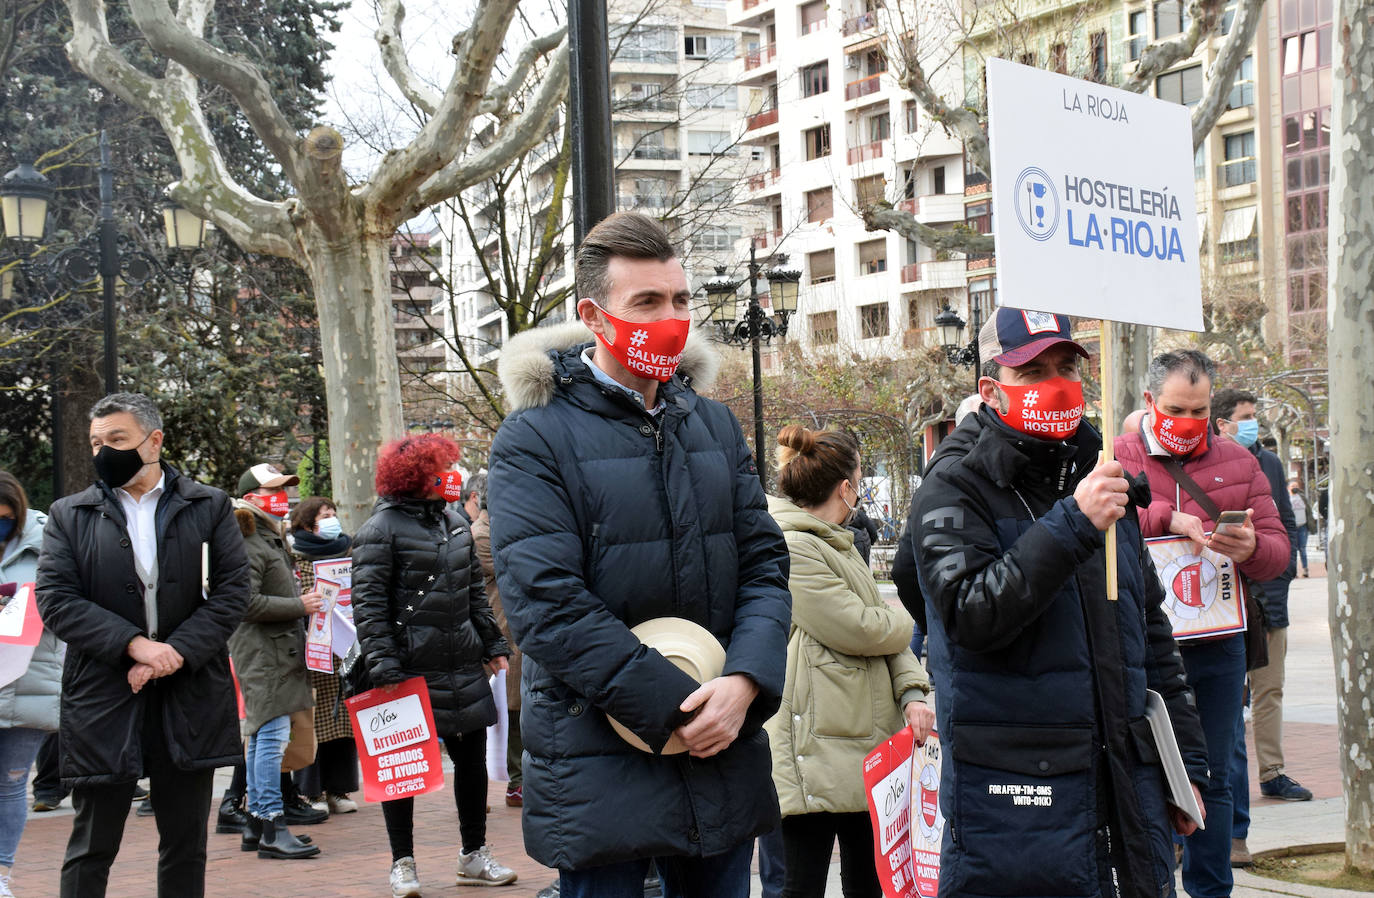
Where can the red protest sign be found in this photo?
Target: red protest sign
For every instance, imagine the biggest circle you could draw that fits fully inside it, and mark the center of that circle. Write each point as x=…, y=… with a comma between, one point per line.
x=905, y=810
x=19, y=620
x=397, y=746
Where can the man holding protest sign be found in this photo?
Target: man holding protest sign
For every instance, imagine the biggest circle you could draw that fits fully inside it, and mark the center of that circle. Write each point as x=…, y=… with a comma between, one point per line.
x=1194, y=476
x=1049, y=775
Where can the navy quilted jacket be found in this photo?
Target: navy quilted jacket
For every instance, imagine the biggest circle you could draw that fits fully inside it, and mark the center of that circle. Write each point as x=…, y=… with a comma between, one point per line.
x=602, y=517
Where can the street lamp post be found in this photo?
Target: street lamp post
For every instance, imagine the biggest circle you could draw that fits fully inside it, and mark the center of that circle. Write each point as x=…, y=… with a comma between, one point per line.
x=757, y=327
x=951, y=328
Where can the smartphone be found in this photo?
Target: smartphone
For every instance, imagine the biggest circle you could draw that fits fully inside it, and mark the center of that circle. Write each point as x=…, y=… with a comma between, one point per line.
x=1230, y=520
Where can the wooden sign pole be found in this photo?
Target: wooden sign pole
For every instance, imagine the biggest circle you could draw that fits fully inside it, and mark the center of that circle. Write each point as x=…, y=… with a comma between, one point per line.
x=1107, y=347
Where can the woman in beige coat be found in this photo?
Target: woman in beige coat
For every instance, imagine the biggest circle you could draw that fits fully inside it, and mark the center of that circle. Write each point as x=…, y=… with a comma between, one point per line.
x=852, y=680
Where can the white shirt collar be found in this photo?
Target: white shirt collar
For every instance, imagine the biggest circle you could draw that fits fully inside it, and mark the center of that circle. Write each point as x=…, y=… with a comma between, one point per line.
x=155, y=491
x=638, y=397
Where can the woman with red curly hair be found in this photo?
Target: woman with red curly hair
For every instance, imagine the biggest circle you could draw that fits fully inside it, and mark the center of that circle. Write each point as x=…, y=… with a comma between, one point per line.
x=421, y=610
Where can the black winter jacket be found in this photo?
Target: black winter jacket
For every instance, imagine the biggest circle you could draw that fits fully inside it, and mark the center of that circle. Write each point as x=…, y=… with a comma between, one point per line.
x=421, y=609
x=602, y=517
x=88, y=595
x=1040, y=680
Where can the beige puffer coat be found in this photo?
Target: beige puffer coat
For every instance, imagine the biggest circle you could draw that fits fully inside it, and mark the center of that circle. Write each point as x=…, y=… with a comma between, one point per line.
x=850, y=669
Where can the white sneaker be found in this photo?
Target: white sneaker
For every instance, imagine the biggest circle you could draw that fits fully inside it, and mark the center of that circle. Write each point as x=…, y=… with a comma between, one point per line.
x=5, y=887
x=405, y=882
x=479, y=868
x=341, y=804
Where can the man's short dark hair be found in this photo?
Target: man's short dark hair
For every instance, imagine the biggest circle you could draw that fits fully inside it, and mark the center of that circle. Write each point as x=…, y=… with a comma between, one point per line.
x=136, y=404
x=991, y=369
x=628, y=235
x=1190, y=362
x=1224, y=402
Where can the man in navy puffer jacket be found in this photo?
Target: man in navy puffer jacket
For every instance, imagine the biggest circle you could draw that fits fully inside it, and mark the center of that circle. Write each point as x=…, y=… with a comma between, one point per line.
x=620, y=496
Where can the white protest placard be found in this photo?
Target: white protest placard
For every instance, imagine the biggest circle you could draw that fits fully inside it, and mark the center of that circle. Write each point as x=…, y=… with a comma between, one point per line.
x=319, y=637
x=1092, y=197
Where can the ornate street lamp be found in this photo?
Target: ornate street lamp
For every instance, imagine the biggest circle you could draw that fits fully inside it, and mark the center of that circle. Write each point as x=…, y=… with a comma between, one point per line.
x=951, y=328
x=24, y=196
x=185, y=229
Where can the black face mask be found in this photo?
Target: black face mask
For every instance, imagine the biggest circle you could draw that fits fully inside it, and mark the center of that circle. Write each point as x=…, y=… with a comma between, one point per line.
x=116, y=467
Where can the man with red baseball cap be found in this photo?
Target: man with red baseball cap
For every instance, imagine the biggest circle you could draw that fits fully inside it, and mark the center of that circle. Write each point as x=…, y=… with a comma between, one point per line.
x=1049, y=775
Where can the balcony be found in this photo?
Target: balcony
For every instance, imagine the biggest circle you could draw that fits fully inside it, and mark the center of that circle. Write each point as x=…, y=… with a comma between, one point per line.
x=649, y=107
x=934, y=207
x=761, y=119
x=643, y=201
x=764, y=179
x=865, y=152
x=936, y=274
x=911, y=273
x=863, y=87
x=862, y=22
x=763, y=55
x=643, y=151
x=1236, y=172
x=764, y=239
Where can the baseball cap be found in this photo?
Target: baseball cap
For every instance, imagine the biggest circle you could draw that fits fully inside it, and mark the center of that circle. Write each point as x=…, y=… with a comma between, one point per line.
x=265, y=475
x=1013, y=337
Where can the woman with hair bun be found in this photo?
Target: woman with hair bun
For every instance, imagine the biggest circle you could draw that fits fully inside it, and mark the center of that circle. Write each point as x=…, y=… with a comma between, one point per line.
x=852, y=680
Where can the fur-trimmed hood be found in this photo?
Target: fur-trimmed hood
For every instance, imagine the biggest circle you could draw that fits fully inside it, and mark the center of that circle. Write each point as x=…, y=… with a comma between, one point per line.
x=526, y=367
x=250, y=517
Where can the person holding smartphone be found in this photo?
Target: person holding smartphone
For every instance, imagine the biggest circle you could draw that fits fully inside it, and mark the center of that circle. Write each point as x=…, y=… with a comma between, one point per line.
x=1174, y=447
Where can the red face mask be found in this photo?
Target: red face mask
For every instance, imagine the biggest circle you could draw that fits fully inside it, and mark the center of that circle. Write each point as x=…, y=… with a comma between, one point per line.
x=449, y=485
x=1181, y=436
x=276, y=504
x=650, y=349
x=1049, y=410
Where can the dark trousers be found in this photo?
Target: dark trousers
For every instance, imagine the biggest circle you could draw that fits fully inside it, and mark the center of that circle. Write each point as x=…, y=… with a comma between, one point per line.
x=515, y=752
x=469, y=755
x=808, y=840
x=181, y=806
x=771, y=863
x=47, y=779
x=335, y=771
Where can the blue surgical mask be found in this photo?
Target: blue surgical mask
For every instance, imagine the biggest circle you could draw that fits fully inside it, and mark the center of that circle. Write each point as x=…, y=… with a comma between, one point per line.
x=6, y=528
x=1247, y=432
x=330, y=528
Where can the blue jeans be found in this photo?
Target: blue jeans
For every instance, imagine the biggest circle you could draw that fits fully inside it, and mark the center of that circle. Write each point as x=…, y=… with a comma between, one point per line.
x=18, y=747
x=772, y=859
x=1240, y=785
x=918, y=640
x=718, y=876
x=263, y=762
x=1302, y=545
x=1216, y=673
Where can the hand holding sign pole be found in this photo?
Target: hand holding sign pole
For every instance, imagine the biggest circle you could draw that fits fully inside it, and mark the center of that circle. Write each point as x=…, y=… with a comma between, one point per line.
x=1093, y=211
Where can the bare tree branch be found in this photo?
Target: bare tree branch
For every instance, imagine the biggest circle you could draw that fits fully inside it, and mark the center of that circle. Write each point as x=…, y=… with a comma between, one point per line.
x=1222, y=75
x=517, y=138
x=883, y=217
x=412, y=87
x=1157, y=57
x=499, y=97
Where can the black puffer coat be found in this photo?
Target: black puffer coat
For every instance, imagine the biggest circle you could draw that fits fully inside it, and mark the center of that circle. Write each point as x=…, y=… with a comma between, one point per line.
x=603, y=517
x=421, y=609
x=88, y=595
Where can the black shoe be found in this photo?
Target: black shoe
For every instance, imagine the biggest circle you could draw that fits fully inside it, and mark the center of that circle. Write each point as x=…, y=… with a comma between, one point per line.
x=277, y=842
x=298, y=812
x=1283, y=787
x=252, y=834
x=140, y=793
x=146, y=808
x=232, y=818
x=44, y=803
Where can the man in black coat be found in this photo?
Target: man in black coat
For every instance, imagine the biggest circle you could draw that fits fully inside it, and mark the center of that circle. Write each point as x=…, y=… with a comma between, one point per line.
x=619, y=496
x=143, y=574
x=1051, y=782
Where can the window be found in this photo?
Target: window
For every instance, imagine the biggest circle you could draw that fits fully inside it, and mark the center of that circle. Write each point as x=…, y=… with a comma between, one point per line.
x=825, y=329
x=710, y=143
x=1184, y=86
x=1027, y=58
x=873, y=321
x=1168, y=18
x=869, y=191
x=1238, y=240
x=705, y=46
x=1097, y=56
x=1228, y=17
x=717, y=240
x=979, y=217
x=873, y=258
x=1239, y=167
x=879, y=127
x=1243, y=90
x=820, y=204
x=982, y=295
x=821, y=266
x=938, y=173
x=713, y=190
x=1200, y=162
x=1059, y=58
x=817, y=142
x=713, y=96
x=815, y=79
x=813, y=16
x=653, y=45
x=1136, y=44
x=910, y=116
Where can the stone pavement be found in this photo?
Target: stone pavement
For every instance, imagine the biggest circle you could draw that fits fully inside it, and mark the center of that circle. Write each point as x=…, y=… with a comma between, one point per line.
x=355, y=859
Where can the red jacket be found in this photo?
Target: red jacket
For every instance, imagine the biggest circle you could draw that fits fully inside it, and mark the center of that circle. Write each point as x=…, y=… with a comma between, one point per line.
x=1231, y=477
